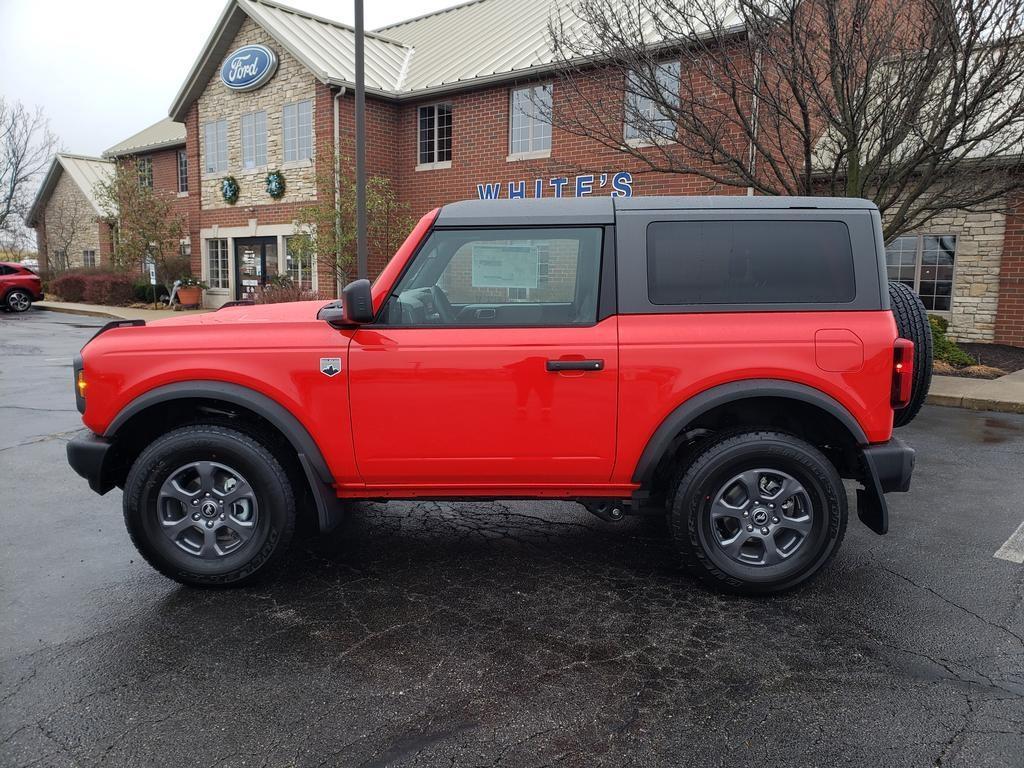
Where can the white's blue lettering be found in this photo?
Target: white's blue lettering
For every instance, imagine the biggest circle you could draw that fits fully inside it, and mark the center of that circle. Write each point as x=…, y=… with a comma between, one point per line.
x=488, y=191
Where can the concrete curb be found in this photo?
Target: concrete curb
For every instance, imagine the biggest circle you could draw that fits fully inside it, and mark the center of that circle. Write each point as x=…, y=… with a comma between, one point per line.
x=76, y=311
x=975, y=403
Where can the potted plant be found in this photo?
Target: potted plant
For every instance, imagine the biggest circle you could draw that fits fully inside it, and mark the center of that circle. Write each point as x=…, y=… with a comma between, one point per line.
x=190, y=291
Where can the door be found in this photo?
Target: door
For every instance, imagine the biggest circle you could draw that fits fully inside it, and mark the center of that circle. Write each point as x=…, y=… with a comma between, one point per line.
x=255, y=264
x=488, y=366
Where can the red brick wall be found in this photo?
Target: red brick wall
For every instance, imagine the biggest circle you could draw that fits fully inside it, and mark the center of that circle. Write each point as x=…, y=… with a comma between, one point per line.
x=1010, y=311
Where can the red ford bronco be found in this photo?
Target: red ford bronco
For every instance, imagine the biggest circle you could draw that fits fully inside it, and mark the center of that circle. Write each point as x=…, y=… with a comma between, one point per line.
x=722, y=361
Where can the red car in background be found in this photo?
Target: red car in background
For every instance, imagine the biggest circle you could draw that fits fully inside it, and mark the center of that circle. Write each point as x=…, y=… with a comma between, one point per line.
x=19, y=287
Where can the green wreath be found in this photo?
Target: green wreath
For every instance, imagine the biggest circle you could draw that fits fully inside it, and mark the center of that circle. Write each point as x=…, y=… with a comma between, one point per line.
x=275, y=184
x=229, y=189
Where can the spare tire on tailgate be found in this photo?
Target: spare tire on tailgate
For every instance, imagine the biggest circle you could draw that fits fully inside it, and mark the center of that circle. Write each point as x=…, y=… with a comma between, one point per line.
x=912, y=323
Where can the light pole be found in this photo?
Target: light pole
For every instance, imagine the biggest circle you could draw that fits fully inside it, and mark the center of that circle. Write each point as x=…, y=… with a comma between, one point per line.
x=362, y=266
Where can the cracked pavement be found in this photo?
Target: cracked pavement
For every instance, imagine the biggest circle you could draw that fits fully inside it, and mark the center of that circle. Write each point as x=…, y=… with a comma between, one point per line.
x=510, y=634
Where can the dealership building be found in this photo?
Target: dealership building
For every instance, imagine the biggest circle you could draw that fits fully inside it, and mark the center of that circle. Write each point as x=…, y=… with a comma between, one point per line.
x=451, y=114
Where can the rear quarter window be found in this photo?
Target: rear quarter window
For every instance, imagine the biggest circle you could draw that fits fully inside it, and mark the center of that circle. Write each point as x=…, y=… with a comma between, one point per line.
x=750, y=262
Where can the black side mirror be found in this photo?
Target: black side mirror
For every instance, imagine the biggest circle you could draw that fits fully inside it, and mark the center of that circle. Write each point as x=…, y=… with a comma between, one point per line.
x=357, y=302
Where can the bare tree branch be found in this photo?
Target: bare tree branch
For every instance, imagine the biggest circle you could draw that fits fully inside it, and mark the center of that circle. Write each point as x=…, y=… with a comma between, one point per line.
x=917, y=106
x=26, y=146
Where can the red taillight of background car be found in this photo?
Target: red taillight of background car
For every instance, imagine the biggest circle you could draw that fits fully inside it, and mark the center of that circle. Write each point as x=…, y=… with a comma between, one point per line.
x=902, y=372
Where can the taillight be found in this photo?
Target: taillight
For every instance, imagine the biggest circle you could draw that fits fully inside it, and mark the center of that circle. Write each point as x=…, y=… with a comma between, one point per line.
x=902, y=372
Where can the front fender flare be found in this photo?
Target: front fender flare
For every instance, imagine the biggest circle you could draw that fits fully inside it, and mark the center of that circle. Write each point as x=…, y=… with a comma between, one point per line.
x=318, y=474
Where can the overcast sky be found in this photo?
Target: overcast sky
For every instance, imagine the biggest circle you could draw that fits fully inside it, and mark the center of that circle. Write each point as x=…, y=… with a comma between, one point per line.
x=105, y=69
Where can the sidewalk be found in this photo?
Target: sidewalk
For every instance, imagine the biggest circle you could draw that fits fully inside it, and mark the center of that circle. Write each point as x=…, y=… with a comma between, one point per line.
x=114, y=313
x=1004, y=394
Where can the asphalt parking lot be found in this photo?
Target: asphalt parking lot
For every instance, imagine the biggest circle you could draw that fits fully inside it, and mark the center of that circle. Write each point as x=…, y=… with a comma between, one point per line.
x=519, y=634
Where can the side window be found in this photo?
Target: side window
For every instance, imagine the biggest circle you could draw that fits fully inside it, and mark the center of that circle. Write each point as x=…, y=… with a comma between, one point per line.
x=750, y=262
x=501, y=277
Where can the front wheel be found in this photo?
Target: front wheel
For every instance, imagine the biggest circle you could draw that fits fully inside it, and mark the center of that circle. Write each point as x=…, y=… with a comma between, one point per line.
x=209, y=506
x=758, y=512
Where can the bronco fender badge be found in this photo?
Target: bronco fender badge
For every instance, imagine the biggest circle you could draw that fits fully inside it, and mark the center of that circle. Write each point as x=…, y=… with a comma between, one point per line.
x=330, y=366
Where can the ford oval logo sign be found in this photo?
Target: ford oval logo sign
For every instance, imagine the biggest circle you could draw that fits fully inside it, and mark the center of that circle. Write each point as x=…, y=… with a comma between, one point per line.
x=248, y=68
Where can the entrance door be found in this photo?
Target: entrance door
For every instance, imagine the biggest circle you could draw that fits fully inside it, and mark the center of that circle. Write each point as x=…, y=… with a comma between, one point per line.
x=255, y=264
x=489, y=366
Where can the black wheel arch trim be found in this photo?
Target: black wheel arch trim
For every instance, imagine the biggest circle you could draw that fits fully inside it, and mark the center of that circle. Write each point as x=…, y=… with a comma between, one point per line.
x=734, y=391
x=318, y=474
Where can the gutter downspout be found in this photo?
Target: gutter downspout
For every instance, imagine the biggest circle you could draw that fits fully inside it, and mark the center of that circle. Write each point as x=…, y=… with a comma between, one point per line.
x=754, y=111
x=337, y=186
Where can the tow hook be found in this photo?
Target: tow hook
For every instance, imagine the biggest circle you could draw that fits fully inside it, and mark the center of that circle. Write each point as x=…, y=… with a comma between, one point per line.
x=612, y=511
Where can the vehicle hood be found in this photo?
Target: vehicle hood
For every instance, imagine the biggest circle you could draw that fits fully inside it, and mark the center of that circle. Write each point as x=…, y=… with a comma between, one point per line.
x=285, y=312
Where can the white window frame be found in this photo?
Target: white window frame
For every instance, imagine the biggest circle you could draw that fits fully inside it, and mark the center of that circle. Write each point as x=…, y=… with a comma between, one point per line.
x=538, y=129
x=434, y=163
x=144, y=169
x=253, y=134
x=636, y=104
x=311, y=268
x=219, y=279
x=918, y=263
x=298, y=146
x=182, y=166
x=89, y=254
x=215, y=149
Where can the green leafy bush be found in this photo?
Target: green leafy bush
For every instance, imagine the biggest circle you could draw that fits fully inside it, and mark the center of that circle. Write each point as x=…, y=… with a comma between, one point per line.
x=142, y=291
x=947, y=350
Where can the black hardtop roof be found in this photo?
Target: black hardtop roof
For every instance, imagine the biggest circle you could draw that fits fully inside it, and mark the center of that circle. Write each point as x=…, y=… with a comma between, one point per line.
x=548, y=211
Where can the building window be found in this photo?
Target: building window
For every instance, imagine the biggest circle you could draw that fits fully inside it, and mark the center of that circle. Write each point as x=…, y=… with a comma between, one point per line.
x=299, y=264
x=925, y=263
x=216, y=136
x=182, y=170
x=650, y=120
x=254, y=140
x=144, y=165
x=217, y=263
x=89, y=258
x=298, y=131
x=530, y=121
x=435, y=134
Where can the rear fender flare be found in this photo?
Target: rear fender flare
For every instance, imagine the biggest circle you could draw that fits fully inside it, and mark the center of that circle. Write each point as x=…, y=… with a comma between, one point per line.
x=734, y=391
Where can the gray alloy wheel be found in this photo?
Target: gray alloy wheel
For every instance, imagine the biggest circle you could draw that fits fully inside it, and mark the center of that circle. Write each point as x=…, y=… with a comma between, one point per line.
x=210, y=506
x=761, y=517
x=757, y=512
x=18, y=301
x=207, y=509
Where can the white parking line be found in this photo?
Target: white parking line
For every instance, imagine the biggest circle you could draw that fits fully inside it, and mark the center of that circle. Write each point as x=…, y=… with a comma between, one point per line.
x=1013, y=547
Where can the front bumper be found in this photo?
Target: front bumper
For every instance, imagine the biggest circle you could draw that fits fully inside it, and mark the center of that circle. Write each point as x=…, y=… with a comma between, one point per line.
x=89, y=455
x=887, y=469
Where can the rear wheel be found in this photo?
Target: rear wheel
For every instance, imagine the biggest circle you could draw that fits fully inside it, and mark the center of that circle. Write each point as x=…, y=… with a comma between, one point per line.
x=18, y=300
x=758, y=512
x=207, y=505
x=912, y=323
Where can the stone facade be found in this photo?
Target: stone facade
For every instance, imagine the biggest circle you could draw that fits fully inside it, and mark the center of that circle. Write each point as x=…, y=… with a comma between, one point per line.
x=979, y=248
x=291, y=83
x=70, y=223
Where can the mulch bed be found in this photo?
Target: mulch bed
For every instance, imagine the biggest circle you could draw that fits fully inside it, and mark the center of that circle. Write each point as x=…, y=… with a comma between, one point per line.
x=1003, y=356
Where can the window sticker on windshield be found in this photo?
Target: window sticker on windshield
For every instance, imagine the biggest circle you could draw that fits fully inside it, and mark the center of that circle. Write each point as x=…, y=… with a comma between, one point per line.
x=504, y=266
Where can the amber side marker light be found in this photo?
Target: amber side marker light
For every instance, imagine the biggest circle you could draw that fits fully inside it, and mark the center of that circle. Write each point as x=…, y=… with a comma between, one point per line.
x=81, y=383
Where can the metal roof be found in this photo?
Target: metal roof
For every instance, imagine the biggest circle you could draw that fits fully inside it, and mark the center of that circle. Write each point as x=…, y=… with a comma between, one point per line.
x=162, y=135
x=86, y=172
x=476, y=42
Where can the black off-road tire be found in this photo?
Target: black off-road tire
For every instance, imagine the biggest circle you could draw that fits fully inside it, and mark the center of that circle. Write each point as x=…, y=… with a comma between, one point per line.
x=254, y=461
x=912, y=323
x=726, y=455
